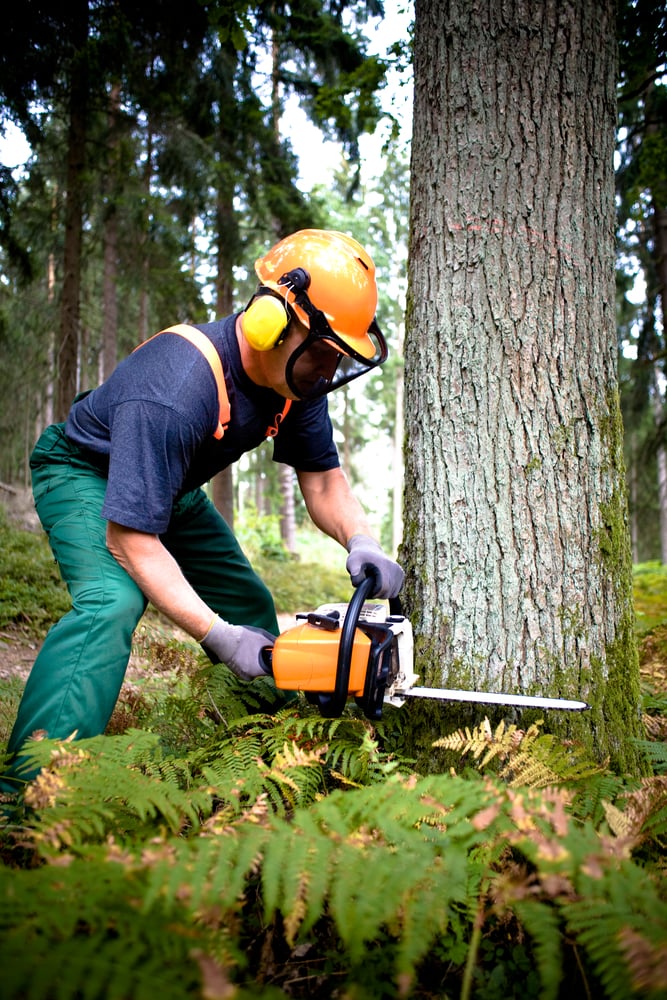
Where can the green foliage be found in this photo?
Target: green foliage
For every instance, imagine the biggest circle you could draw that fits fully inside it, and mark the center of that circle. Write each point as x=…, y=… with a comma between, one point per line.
x=530, y=758
x=656, y=752
x=298, y=586
x=233, y=842
x=259, y=535
x=283, y=841
x=32, y=595
x=650, y=595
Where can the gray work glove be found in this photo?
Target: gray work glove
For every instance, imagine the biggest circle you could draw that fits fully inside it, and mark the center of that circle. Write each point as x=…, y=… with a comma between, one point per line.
x=366, y=554
x=239, y=646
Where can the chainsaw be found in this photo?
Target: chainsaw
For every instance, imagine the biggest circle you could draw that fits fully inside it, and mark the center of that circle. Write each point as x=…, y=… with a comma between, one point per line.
x=364, y=650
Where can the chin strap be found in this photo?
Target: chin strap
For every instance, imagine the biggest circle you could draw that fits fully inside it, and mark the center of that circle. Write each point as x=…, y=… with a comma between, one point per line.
x=203, y=344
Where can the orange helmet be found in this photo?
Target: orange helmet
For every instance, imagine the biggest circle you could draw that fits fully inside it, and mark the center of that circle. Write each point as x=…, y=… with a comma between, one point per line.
x=341, y=286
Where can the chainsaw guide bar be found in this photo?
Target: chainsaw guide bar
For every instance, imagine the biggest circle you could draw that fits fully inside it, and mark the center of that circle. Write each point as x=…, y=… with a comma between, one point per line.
x=365, y=651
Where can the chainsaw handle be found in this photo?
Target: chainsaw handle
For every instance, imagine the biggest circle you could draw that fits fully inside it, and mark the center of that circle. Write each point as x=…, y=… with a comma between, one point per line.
x=331, y=706
x=395, y=606
x=266, y=660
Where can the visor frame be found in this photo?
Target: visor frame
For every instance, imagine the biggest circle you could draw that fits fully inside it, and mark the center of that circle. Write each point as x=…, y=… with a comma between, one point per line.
x=338, y=378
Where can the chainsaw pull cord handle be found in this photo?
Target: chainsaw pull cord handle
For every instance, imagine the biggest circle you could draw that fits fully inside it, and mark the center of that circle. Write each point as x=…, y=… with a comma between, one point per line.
x=331, y=706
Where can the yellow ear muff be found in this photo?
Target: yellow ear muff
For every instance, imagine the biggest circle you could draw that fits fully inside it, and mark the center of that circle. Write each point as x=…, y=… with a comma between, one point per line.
x=264, y=322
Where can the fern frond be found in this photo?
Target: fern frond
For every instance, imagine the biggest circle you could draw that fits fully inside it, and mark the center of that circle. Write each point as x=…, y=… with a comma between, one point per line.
x=92, y=789
x=378, y=857
x=475, y=742
x=531, y=758
x=655, y=753
x=544, y=925
x=643, y=813
x=590, y=796
x=622, y=925
x=296, y=874
x=76, y=927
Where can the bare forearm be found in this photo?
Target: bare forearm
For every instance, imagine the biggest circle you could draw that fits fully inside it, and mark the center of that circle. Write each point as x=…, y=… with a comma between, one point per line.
x=332, y=506
x=158, y=575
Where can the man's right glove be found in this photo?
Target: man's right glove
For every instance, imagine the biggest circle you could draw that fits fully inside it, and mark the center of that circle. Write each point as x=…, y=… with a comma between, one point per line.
x=366, y=553
x=239, y=646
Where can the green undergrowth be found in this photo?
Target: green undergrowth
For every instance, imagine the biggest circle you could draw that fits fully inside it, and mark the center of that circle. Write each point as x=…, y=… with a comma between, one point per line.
x=220, y=843
x=32, y=595
x=274, y=853
x=650, y=595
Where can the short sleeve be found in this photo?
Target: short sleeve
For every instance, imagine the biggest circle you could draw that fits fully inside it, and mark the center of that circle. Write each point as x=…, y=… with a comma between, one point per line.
x=151, y=449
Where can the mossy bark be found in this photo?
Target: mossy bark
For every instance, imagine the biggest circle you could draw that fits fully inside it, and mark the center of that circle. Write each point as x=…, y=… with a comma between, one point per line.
x=516, y=540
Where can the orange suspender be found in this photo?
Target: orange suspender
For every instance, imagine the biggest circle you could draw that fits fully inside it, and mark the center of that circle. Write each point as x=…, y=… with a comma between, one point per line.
x=202, y=343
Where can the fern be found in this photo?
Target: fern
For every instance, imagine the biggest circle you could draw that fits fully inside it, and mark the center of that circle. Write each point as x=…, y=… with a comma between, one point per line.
x=543, y=924
x=623, y=930
x=89, y=790
x=527, y=758
x=285, y=833
x=642, y=812
x=655, y=753
x=381, y=860
x=289, y=757
x=74, y=933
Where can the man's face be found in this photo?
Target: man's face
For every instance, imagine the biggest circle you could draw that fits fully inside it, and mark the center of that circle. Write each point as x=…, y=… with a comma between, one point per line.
x=308, y=368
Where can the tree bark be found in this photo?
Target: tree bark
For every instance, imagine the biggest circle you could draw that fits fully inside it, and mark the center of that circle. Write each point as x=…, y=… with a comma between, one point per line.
x=516, y=536
x=287, y=507
x=109, y=348
x=68, y=340
x=222, y=484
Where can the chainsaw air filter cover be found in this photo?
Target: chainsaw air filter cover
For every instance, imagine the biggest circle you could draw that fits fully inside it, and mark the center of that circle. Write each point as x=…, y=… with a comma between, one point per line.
x=305, y=657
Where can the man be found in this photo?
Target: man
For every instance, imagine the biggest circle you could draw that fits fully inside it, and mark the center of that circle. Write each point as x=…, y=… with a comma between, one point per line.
x=118, y=486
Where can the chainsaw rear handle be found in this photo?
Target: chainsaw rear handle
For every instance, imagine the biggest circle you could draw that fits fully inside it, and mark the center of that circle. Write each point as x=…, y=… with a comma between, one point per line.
x=331, y=706
x=266, y=660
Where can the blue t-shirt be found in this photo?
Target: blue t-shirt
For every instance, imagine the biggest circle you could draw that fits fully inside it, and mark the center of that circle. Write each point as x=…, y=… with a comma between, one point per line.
x=150, y=426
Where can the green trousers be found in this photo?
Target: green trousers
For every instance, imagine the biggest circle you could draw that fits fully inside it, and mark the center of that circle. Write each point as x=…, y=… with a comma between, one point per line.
x=76, y=678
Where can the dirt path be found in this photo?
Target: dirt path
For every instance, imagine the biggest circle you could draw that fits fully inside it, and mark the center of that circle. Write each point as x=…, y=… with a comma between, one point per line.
x=17, y=654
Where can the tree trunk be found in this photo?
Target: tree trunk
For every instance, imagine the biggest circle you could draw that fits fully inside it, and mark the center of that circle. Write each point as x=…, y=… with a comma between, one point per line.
x=397, y=457
x=661, y=462
x=109, y=349
x=287, y=510
x=516, y=535
x=660, y=257
x=144, y=256
x=633, y=500
x=222, y=484
x=67, y=355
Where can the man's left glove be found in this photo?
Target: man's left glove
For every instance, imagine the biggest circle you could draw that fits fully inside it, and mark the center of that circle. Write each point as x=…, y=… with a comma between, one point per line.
x=365, y=554
x=239, y=646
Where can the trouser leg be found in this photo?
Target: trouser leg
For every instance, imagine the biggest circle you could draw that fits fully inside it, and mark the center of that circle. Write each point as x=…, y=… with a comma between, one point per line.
x=76, y=678
x=214, y=564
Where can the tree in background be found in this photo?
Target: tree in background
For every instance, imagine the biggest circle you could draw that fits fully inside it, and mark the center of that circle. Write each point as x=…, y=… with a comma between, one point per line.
x=642, y=217
x=516, y=540
x=178, y=169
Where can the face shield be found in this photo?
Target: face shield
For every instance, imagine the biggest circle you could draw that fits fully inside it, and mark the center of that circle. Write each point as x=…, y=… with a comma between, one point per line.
x=324, y=361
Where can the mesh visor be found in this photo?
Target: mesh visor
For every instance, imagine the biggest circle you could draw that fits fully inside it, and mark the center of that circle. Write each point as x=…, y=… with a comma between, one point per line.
x=324, y=361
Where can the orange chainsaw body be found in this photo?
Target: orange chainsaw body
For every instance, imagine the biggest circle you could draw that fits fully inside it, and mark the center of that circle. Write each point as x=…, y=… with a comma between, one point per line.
x=305, y=659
